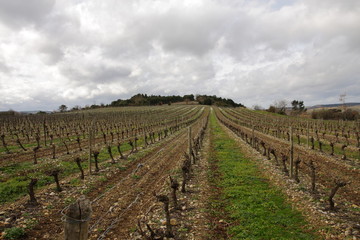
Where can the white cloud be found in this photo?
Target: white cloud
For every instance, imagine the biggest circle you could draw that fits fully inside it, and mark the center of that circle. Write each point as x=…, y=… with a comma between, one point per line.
x=85, y=52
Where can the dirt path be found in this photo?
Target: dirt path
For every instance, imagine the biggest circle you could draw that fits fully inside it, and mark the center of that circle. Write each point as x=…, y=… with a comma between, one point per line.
x=48, y=214
x=115, y=213
x=119, y=210
x=191, y=219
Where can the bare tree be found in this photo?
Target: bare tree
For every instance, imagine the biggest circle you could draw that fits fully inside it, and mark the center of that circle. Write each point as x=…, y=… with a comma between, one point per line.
x=257, y=107
x=342, y=99
x=280, y=106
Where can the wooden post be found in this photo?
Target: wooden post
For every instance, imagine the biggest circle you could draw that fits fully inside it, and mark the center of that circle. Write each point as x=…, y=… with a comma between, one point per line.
x=44, y=125
x=91, y=140
x=307, y=134
x=190, y=146
x=90, y=148
x=291, y=152
x=145, y=140
x=252, y=137
x=77, y=218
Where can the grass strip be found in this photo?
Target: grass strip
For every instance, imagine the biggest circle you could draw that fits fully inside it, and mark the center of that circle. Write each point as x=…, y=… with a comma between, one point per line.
x=256, y=209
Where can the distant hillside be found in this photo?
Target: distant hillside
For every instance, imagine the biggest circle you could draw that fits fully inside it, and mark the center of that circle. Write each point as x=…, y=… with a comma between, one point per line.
x=35, y=112
x=334, y=105
x=9, y=113
x=151, y=100
x=14, y=113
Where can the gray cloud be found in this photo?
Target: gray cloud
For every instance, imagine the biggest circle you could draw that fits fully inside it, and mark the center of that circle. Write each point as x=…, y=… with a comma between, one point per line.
x=18, y=13
x=94, y=72
x=4, y=68
x=256, y=52
x=51, y=52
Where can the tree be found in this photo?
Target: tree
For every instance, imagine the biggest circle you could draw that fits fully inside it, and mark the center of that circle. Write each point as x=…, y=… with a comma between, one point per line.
x=298, y=107
x=257, y=107
x=63, y=108
x=295, y=105
x=208, y=101
x=271, y=109
x=76, y=108
x=280, y=106
x=342, y=99
x=189, y=97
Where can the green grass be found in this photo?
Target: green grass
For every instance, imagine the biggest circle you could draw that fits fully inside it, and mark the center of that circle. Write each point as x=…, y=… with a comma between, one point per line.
x=257, y=209
x=17, y=187
x=16, y=167
x=13, y=188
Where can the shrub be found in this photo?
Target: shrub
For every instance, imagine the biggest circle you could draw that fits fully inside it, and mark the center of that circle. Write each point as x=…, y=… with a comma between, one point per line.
x=335, y=114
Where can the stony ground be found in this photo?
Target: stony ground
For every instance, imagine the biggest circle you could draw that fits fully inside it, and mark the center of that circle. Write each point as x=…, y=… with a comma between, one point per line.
x=344, y=223
x=124, y=202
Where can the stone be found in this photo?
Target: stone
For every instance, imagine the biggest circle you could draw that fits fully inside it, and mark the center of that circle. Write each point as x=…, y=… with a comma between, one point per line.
x=348, y=232
x=173, y=222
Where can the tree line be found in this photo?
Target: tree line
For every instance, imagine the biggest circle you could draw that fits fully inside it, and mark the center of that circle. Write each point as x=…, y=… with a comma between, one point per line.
x=150, y=100
x=146, y=100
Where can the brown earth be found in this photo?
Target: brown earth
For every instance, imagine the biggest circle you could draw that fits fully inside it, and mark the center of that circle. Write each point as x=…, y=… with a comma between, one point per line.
x=48, y=213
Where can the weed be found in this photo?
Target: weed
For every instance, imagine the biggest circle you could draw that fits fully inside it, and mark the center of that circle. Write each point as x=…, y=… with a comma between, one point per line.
x=14, y=233
x=103, y=179
x=69, y=200
x=75, y=182
x=50, y=206
x=87, y=190
x=121, y=168
x=135, y=176
x=30, y=223
x=183, y=230
x=133, y=229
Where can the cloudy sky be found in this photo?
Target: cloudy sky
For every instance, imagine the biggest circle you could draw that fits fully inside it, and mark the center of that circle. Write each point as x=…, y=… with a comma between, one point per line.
x=79, y=52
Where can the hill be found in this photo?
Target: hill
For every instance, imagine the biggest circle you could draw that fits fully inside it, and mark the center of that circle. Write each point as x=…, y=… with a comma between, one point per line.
x=336, y=105
x=151, y=100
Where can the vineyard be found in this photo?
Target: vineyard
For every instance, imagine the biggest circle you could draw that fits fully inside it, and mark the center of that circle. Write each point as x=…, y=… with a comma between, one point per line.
x=318, y=157
x=284, y=140
x=127, y=168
